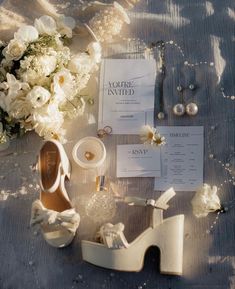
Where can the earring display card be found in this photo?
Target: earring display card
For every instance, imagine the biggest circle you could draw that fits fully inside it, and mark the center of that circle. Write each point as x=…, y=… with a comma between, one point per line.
x=181, y=158
x=126, y=99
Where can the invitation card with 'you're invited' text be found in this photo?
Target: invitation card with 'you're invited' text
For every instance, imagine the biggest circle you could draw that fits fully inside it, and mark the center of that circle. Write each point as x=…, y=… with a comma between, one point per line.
x=126, y=100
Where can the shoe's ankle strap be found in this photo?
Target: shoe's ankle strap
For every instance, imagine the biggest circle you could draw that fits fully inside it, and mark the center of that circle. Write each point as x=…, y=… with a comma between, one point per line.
x=160, y=203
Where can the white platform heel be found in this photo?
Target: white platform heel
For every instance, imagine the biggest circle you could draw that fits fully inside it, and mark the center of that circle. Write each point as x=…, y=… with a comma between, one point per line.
x=114, y=252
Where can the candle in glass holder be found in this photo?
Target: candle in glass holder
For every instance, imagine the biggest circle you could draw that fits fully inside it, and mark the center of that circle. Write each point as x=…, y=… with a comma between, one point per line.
x=89, y=153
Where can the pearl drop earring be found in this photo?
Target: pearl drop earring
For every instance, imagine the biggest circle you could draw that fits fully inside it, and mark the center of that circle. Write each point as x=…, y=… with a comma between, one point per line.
x=179, y=108
x=192, y=108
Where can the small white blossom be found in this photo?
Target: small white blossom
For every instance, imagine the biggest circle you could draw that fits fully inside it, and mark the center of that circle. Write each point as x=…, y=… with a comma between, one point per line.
x=45, y=25
x=205, y=201
x=46, y=64
x=150, y=135
x=38, y=96
x=27, y=34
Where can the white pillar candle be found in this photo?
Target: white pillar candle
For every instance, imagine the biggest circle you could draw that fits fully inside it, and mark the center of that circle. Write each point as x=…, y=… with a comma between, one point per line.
x=89, y=153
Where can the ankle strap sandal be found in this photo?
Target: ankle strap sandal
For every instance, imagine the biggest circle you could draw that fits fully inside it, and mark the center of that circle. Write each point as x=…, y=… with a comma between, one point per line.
x=113, y=251
x=53, y=211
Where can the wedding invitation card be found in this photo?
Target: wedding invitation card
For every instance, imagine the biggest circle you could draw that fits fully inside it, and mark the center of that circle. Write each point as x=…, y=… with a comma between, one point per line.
x=138, y=161
x=126, y=100
x=181, y=158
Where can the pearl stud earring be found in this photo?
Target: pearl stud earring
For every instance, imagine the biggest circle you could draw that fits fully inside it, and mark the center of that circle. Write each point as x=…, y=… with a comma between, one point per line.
x=192, y=86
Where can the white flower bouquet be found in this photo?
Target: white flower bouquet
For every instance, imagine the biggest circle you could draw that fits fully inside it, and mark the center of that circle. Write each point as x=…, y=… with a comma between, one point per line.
x=40, y=79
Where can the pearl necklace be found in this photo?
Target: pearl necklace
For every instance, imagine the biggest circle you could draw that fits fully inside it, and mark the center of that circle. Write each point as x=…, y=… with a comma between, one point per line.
x=230, y=97
x=170, y=43
x=226, y=166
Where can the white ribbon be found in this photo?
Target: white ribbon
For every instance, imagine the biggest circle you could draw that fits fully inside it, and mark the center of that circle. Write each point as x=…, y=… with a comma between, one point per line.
x=68, y=219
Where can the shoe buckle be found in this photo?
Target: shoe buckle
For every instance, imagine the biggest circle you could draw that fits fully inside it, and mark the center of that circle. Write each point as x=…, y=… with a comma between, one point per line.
x=150, y=202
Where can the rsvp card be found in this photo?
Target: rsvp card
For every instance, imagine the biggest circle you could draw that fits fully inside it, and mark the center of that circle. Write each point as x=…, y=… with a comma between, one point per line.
x=138, y=161
x=126, y=97
x=181, y=158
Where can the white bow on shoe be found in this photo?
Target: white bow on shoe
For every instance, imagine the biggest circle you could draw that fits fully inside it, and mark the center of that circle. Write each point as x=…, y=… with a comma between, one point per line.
x=68, y=219
x=112, y=236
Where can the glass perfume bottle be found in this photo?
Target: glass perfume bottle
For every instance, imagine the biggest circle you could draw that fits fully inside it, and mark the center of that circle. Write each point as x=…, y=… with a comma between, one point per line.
x=101, y=206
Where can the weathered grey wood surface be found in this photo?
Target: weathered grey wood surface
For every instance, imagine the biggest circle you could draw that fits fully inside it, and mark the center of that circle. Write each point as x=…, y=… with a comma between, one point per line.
x=205, y=31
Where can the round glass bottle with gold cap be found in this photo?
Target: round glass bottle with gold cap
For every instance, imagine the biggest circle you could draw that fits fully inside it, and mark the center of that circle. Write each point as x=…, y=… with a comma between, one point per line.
x=101, y=206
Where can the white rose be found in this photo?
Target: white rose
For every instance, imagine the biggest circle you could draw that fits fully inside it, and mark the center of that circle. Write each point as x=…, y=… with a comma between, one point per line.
x=45, y=25
x=38, y=96
x=14, y=50
x=80, y=63
x=94, y=50
x=27, y=34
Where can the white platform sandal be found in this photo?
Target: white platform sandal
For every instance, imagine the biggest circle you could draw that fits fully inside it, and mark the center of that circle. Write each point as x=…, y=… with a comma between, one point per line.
x=114, y=252
x=53, y=211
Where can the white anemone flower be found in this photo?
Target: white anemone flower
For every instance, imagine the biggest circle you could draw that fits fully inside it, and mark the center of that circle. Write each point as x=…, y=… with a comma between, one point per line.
x=38, y=96
x=63, y=86
x=205, y=201
x=45, y=25
x=150, y=135
x=26, y=33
